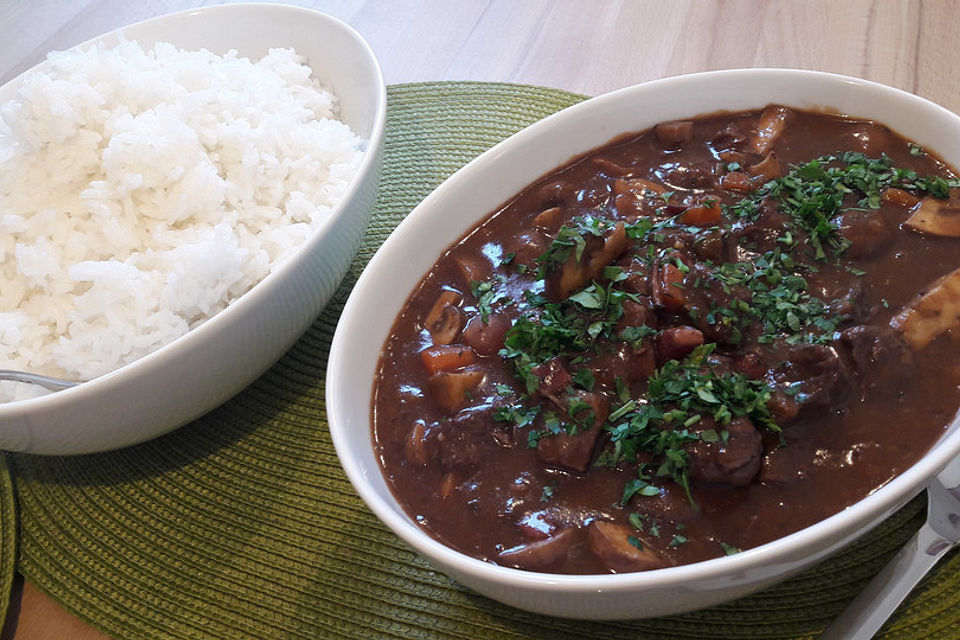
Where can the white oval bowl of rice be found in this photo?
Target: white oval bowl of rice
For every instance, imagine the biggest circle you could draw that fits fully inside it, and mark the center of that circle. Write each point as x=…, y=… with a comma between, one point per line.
x=179, y=199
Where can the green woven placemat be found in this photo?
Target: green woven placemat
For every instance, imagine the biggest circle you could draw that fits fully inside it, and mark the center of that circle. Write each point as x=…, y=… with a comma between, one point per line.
x=8, y=537
x=242, y=524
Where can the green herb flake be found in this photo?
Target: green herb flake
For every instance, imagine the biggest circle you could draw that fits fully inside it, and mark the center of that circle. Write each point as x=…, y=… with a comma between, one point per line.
x=729, y=549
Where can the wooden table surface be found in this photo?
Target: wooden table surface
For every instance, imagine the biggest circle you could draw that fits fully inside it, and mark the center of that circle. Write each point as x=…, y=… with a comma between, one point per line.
x=587, y=46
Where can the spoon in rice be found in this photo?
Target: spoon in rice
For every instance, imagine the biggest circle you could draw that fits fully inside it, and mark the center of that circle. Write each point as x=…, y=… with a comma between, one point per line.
x=53, y=384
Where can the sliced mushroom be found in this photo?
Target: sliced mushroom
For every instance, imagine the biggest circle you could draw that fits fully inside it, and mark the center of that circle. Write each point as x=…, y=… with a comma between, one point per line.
x=542, y=553
x=574, y=273
x=767, y=169
x=614, y=545
x=932, y=313
x=444, y=319
x=450, y=389
x=472, y=268
x=416, y=448
x=900, y=197
x=936, y=217
x=673, y=135
x=638, y=186
x=770, y=126
x=549, y=219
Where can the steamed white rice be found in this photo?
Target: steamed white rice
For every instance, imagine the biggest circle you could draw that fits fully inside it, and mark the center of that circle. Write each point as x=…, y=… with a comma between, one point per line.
x=143, y=191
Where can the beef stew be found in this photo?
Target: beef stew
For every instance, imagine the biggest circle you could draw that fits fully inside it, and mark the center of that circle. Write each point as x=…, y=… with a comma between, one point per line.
x=688, y=342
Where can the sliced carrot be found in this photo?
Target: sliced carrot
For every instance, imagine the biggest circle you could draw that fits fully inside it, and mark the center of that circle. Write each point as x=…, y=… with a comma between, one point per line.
x=669, y=291
x=703, y=215
x=736, y=181
x=447, y=357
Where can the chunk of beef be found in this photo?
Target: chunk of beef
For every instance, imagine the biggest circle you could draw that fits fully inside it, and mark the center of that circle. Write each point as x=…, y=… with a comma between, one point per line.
x=867, y=232
x=816, y=376
x=876, y=347
x=687, y=176
x=850, y=302
x=872, y=139
x=637, y=313
x=623, y=360
x=554, y=378
x=486, y=338
x=731, y=460
x=464, y=440
x=764, y=233
x=637, y=278
x=557, y=192
x=729, y=139
x=676, y=343
x=749, y=365
x=529, y=246
x=574, y=451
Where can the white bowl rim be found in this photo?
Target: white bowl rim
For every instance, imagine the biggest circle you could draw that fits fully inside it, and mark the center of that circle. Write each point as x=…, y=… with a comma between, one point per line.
x=142, y=366
x=897, y=491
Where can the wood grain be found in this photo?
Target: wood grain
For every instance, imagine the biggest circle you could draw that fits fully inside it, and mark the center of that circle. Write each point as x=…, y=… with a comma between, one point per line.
x=587, y=46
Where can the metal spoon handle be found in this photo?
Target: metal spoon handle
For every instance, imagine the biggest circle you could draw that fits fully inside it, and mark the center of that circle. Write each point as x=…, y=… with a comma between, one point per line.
x=54, y=384
x=864, y=616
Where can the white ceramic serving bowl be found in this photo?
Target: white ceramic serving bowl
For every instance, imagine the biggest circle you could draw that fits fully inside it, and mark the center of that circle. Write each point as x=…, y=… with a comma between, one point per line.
x=493, y=178
x=195, y=373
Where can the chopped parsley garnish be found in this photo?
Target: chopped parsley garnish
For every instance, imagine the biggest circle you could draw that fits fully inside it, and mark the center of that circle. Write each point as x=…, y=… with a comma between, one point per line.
x=547, y=330
x=548, y=491
x=572, y=240
x=777, y=298
x=677, y=540
x=638, y=487
x=813, y=194
x=488, y=294
x=766, y=297
x=729, y=549
x=678, y=395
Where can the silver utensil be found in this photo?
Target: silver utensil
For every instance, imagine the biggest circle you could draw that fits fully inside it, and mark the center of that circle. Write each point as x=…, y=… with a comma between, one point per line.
x=53, y=384
x=870, y=609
